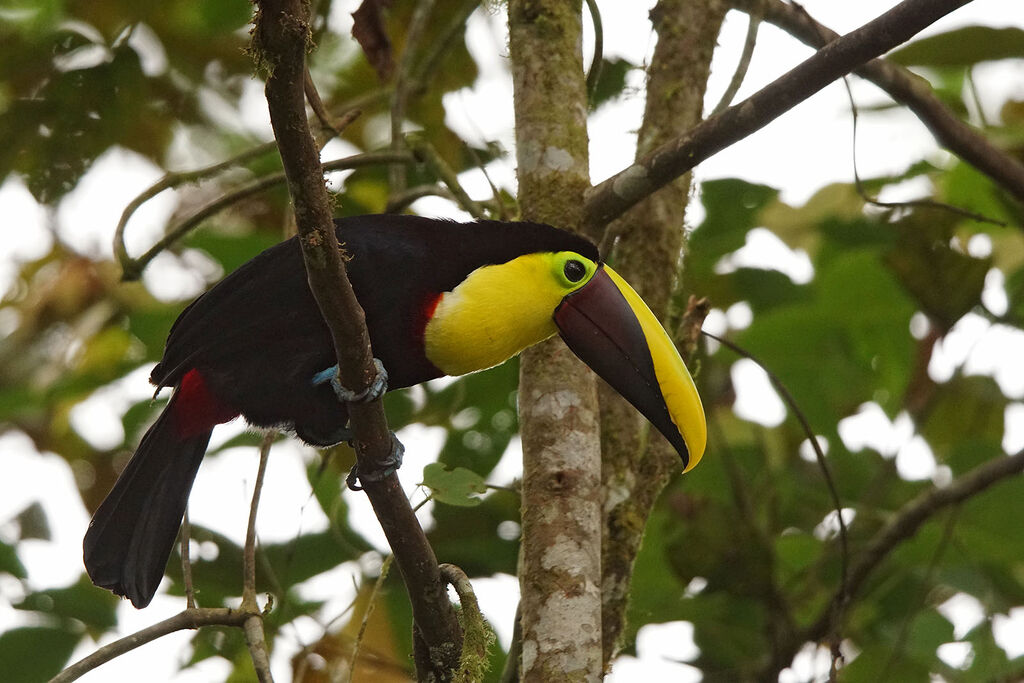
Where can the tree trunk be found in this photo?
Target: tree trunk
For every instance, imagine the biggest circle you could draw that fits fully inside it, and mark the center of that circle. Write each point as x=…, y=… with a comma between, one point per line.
x=560, y=556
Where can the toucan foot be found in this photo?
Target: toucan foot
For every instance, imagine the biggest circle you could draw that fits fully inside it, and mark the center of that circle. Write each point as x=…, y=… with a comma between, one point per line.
x=386, y=468
x=378, y=386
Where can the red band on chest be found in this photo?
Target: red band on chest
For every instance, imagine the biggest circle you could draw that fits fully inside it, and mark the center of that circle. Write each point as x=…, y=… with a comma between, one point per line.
x=196, y=409
x=430, y=305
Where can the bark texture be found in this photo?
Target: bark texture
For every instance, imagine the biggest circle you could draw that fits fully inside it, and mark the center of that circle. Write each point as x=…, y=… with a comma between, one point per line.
x=648, y=254
x=560, y=560
x=280, y=39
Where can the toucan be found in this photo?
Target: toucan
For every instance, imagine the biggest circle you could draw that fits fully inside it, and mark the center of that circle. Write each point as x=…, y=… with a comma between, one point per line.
x=440, y=298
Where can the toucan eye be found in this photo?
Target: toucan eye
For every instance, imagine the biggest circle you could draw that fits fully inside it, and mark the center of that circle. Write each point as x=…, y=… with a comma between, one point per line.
x=574, y=270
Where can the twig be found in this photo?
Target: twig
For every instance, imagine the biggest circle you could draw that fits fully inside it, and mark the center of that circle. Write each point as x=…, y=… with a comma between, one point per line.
x=253, y=628
x=400, y=94
x=249, y=556
x=385, y=567
x=496, y=205
x=907, y=89
x=172, y=180
x=897, y=649
x=132, y=268
x=279, y=40
x=257, y=644
x=317, y=104
x=818, y=453
x=741, y=69
x=400, y=201
x=902, y=527
x=925, y=203
x=186, y=562
x=188, y=619
x=915, y=513
x=426, y=153
x=436, y=49
x=479, y=636
x=510, y=674
x=612, y=197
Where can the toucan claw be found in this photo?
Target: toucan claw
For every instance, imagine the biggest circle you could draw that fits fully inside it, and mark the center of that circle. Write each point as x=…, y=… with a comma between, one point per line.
x=377, y=388
x=385, y=468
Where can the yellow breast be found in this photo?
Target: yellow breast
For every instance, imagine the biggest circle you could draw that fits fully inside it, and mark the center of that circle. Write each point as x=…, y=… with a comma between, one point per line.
x=495, y=313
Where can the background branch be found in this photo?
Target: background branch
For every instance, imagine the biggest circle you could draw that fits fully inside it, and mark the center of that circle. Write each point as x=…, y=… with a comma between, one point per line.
x=132, y=268
x=902, y=527
x=254, y=636
x=907, y=89
x=187, y=619
x=279, y=41
x=610, y=198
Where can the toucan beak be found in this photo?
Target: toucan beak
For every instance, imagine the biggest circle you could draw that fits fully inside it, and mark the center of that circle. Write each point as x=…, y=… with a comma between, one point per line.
x=613, y=331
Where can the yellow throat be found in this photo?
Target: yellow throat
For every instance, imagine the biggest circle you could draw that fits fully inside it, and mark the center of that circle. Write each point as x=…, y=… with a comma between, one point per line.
x=498, y=311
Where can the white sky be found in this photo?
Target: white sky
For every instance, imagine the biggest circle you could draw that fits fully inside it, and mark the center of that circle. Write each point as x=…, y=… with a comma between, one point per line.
x=798, y=153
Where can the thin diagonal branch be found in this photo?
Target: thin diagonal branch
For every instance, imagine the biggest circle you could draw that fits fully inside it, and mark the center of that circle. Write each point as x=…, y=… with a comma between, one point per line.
x=279, y=40
x=902, y=527
x=907, y=89
x=132, y=268
x=186, y=562
x=910, y=518
x=813, y=440
x=187, y=619
x=255, y=638
x=749, y=43
x=610, y=198
x=400, y=94
x=172, y=180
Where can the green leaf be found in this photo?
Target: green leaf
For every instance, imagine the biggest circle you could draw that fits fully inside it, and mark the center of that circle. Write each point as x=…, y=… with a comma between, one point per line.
x=453, y=486
x=795, y=552
x=472, y=540
x=35, y=653
x=848, y=345
x=964, y=423
x=82, y=601
x=945, y=282
x=33, y=523
x=9, y=562
x=962, y=47
x=611, y=82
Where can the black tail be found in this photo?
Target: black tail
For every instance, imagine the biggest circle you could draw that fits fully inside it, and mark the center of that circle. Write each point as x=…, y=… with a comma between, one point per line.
x=132, y=533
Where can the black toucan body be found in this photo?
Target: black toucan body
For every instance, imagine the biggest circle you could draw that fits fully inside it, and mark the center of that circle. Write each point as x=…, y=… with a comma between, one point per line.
x=441, y=298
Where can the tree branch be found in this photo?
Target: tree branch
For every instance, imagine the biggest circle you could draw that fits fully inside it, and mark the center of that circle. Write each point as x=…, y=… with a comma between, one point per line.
x=907, y=89
x=187, y=619
x=612, y=197
x=400, y=93
x=479, y=636
x=902, y=527
x=132, y=268
x=279, y=40
x=910, y=518
x=255, y=638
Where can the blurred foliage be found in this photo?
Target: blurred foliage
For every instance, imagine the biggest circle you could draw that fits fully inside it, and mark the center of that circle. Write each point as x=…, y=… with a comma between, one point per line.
x=740, y=547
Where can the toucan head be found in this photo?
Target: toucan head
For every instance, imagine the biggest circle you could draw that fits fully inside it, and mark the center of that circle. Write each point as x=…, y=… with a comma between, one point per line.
x=500, y=309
